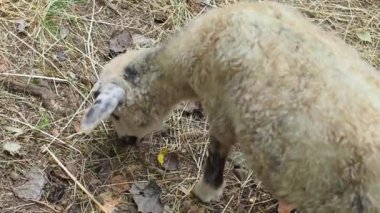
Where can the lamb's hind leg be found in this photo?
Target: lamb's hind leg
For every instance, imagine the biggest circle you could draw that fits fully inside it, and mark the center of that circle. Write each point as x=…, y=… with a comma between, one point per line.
x=210, y=187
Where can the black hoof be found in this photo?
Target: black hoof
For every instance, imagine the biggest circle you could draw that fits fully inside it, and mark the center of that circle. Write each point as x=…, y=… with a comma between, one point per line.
x=127, y=140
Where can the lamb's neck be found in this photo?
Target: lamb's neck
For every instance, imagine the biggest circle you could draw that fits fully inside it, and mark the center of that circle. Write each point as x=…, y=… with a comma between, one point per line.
x=173, y=77
x=165, y=87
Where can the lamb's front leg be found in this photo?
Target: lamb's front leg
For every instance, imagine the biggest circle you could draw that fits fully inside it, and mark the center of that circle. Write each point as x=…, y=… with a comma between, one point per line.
x=210, y=187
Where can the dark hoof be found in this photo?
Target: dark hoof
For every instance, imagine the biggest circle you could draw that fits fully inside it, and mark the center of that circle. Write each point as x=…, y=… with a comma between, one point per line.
x=127, y=140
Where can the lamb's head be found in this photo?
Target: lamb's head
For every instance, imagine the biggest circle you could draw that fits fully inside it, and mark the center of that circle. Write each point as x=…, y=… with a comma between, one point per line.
x=122, y=93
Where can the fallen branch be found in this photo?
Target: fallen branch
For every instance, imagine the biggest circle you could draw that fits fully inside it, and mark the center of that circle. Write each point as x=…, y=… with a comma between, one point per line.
x=47, y=96
x=60, y=164
x=111, y=6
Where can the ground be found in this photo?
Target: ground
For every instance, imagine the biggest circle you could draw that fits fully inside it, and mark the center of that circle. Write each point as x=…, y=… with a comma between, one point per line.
x=50, y=55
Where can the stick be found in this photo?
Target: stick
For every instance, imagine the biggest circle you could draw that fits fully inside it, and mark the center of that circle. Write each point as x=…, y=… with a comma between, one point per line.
x=91, y=196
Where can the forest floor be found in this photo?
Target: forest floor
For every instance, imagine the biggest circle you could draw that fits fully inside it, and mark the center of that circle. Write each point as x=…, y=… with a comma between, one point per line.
x=51, y=52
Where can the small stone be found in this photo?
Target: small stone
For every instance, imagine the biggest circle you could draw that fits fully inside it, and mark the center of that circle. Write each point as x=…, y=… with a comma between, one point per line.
x=14, y=176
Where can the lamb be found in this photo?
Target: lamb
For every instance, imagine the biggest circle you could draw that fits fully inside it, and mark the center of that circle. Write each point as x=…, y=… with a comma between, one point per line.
x=302, y=104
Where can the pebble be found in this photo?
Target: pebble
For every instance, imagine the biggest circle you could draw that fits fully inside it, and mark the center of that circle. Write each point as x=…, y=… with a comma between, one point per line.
x=14, y=176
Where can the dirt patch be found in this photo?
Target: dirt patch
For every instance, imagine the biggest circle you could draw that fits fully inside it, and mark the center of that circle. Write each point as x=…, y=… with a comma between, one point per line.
x=50, y=57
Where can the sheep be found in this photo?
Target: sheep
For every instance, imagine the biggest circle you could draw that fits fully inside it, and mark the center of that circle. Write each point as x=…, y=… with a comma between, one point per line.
x=302, y=104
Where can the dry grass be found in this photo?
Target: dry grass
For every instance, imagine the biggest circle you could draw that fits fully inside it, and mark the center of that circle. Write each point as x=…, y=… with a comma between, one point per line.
x=67, y=65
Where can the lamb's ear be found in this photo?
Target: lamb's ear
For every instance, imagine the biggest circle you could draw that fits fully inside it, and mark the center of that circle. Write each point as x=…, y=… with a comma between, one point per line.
x=105, y=103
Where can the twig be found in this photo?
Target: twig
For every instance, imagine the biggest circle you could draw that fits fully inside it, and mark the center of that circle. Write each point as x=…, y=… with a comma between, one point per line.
x=34, y=76
x=46, y=205
x=148, y=165
x=91, y=196
x=111, y=6
x=47, y=96
x=43, y=132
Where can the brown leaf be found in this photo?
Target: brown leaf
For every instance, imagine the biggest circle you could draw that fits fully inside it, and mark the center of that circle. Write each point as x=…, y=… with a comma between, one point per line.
x=119, y=184
x=188, y=206
x=61, y=174
x=171, y=162
x=14, y=176
x=109, y=202
x=21, y=26
x=105, y=171
x=122, y=208
x=56, y=193
x=92, y=181
x=55, y=132
x=3, y=66
x=77, y=127
x=147, y=197
x=160, y=17
x=119, y=42
x=72, y=167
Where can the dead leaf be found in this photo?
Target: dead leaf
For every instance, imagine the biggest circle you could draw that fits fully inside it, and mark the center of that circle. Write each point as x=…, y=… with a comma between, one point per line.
x=56, y=193
x=33, y=188
x=14, y=176
x=55, y=132
x=48, y=97
x=77, y=127
x=160, y=17
x=168, y=160
x=63, y=31
x=72, y=75
x=93, y=182
x=3, y=66
x=21, y=26
x=105, y=171
x=364, y=36
x=147, y=197
x=119, y=184
x=119, y=42
x=122, y=208
x=161, y=155
x=59, y=173
x=15, y=130
x=109, y=202
x=72, y=167
x=142, y=41
x=171, y=162
x=12, y=148
x=61, y=56
x=188, y=206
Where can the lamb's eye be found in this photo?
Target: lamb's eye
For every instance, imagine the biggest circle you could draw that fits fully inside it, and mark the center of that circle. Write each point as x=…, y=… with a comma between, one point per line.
x=116, y=117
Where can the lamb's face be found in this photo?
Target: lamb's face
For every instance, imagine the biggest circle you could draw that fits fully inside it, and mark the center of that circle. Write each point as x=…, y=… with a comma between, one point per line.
x=120, y=93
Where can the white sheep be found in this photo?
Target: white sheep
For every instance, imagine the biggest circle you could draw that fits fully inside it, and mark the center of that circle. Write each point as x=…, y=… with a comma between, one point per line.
x=303, y=104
